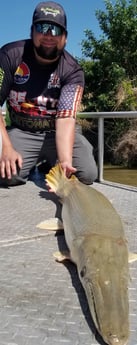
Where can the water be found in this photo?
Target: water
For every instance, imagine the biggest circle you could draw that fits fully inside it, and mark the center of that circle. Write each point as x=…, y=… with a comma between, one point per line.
x=120, y=174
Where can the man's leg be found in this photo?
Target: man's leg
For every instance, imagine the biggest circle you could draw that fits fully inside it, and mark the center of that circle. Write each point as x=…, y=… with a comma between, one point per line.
x=83, y=160
x=48, y=150
x=28, y=145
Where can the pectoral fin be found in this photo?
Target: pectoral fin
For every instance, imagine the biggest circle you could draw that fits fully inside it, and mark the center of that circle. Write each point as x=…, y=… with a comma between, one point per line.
x=51, y=224
x=132, y=257
x=62, y=256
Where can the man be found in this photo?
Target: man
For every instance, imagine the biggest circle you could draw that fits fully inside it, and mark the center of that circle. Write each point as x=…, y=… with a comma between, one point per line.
x=42, y=85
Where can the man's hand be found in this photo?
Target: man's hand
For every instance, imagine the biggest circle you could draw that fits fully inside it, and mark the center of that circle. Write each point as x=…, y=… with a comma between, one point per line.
x=68, y=169
x=9, y=161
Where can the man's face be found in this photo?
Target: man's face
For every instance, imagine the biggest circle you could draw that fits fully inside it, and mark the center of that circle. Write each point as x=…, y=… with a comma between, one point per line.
x=49, y=40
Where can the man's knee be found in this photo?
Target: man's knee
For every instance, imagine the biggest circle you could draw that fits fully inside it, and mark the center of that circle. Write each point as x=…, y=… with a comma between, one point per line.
x=84, y=160
x=88, y=175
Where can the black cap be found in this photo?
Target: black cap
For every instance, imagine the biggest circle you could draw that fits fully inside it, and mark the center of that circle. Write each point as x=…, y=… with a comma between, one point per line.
x=50, y=11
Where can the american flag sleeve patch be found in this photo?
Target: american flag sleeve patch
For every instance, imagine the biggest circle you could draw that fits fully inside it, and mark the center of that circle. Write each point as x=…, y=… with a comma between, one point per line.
x=69, y=101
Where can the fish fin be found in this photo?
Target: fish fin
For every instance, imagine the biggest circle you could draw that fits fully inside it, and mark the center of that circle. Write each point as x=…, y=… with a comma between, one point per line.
x=73, y=177
x=54, y=177
x=51, y=224
x=58, y=182
x=132, y=257
x=62, y=256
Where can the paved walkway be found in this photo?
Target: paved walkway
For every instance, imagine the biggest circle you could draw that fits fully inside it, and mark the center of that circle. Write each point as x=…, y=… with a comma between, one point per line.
x=41, y=301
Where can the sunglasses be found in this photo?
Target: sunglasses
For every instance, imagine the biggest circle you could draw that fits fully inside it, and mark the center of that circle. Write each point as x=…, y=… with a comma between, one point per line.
x=43, y=28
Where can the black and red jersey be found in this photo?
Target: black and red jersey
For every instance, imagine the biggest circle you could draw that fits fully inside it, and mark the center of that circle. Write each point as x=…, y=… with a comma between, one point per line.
x=33, y=90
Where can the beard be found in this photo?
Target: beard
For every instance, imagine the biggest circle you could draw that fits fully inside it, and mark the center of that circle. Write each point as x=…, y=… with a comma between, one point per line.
x=48, y=53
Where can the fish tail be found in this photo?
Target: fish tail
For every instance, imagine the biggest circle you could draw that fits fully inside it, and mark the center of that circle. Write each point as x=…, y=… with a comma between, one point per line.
x=58, y=182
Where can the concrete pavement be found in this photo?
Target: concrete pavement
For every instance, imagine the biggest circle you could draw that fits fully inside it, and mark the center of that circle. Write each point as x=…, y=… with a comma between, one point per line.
x=42, y=301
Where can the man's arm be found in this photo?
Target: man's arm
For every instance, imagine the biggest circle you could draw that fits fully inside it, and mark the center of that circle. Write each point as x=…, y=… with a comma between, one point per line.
x=65, y=132
x=9, y=157
x=68, y=105
x=5, y=137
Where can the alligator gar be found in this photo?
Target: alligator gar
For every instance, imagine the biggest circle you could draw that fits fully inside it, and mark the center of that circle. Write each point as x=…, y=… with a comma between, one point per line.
x=96, y=240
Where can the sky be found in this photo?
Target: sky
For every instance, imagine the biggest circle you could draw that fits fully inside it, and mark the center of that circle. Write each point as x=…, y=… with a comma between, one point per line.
x=16, y=18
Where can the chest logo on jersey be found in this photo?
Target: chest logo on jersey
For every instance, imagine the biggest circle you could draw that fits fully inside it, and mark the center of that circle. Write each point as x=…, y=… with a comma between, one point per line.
x=22, y=74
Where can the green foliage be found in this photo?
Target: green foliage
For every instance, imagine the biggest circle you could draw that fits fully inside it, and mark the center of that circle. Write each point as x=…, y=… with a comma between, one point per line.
x=114, y=129
x=119, y=25
x=110, y=65
x=130, y=99
x=112, y=58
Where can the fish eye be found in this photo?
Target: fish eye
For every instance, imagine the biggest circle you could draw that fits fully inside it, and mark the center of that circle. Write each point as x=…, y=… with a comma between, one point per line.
x=83, y=272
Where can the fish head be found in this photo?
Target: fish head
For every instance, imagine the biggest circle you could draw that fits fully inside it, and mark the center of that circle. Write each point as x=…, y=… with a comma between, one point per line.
x=104, y=277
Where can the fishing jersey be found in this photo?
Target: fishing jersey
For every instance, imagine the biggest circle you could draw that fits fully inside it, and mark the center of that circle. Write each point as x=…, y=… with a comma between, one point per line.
x=35, y=93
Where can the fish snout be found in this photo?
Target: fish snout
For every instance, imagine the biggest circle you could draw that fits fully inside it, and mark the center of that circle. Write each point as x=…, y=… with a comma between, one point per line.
x=114, y=340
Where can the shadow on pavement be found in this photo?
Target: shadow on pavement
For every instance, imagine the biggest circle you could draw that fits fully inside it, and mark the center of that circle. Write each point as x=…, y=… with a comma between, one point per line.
x=78, y=287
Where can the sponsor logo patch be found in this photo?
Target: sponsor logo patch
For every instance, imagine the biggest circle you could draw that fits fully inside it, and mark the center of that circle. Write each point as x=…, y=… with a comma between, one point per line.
x=51, y=11
x=22, y=74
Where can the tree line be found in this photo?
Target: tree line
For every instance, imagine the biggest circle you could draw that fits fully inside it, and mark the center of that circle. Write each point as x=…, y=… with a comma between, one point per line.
x=110, y=66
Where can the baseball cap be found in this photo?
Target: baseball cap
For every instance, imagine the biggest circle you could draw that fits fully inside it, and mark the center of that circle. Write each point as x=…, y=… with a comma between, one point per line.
x=50, y=11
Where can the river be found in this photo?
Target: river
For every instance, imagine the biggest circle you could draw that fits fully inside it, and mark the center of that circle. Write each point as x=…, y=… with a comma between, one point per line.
x=120, y=174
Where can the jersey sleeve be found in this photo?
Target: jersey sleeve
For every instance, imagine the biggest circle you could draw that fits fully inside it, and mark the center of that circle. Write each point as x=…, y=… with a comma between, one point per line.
x=71, y=94
x=6, y=76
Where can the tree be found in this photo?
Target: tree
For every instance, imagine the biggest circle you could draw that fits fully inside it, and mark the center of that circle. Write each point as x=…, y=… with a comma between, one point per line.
x=111, y=62
x=119, y=25
x=110, y=65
